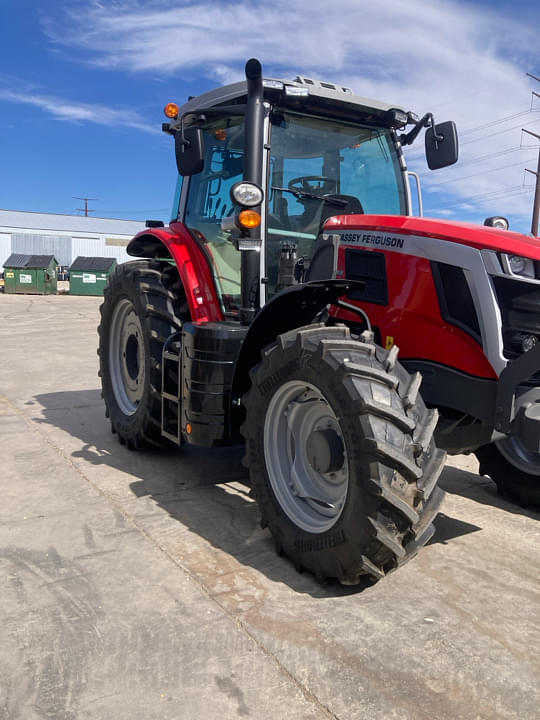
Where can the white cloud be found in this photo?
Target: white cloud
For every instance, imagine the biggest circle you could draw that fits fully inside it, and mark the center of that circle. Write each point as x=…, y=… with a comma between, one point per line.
x=462, y=61
x=78, y=112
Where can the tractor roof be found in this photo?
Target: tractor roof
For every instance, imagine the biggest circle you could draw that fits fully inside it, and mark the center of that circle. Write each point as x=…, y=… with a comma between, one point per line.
x=322, y=97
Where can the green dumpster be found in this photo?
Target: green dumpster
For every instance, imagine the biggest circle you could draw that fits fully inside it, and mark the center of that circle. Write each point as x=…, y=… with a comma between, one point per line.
x=88, y=275
x=30, y=274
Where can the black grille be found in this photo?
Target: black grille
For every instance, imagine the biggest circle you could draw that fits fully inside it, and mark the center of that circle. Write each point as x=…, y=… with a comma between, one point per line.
x=370, y=268
x=455, y=299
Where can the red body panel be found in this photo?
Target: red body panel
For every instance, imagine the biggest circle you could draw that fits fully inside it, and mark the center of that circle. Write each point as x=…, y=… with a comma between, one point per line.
x=194, y=271
x=478, y=236
x=412, y=320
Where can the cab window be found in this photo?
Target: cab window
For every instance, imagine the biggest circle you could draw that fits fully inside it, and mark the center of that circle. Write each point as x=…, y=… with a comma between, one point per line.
x=209, y=202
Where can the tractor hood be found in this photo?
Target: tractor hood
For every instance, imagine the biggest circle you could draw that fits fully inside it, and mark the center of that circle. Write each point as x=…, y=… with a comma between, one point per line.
x=372, y=230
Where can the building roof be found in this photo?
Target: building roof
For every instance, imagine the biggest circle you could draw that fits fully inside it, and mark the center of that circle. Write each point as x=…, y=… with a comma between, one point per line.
x=103, y=264
x=36, y=262
x=68, y=223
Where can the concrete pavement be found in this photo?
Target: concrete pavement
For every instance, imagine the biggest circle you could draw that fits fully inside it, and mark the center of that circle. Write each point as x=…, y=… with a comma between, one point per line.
x=139, y=585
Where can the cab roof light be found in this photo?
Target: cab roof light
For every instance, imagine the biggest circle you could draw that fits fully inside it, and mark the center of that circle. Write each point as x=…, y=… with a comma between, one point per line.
x=273, y=84
x=171, y=110
x=397, y=118
x=296, y=91
x=301, y=80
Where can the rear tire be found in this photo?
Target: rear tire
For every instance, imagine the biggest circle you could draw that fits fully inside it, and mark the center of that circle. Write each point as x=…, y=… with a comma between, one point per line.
x=514, y=469
x=341, y=455
x=141, y=308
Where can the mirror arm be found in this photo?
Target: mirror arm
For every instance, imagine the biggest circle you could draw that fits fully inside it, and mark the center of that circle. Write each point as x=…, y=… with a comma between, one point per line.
x=183, y=141
x=427, y=121
x=436, y=137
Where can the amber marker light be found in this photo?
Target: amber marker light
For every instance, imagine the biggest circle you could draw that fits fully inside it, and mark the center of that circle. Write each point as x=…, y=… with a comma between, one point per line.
x=249, y=219
x=171, y=110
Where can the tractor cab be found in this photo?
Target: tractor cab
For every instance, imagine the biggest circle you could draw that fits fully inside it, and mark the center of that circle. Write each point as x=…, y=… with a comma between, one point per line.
x=314, y=150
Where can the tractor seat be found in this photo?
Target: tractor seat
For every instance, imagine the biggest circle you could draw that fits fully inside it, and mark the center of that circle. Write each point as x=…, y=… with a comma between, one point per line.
x=353, y=207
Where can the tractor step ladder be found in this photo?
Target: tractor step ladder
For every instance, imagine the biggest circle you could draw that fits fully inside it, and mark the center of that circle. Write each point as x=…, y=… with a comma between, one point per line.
x=171, y=388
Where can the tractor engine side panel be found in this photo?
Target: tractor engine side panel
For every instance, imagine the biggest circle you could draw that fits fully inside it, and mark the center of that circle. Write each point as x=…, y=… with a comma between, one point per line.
x=403, y=299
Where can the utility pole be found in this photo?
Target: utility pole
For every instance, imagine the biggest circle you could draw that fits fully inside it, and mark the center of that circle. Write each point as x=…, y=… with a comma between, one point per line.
x=536, y=203
x=85, y=210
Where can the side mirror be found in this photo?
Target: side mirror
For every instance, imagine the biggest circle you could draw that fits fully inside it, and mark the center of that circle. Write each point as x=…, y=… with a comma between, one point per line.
x=441, y=145
x=189, y=150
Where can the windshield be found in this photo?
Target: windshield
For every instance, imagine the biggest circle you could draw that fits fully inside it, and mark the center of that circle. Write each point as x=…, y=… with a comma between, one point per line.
x=320, y=168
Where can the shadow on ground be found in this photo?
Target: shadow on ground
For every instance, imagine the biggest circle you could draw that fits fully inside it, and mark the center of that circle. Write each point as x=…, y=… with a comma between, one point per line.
x=482, y=490
x=207, y=490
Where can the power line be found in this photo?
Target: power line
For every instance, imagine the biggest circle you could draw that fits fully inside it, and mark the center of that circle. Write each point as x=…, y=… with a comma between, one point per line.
x=500, y=132
x=485, y=137
x=418, y=151
x=468, y=131
x=482, y=172
x=513, y=191
x=490, y=156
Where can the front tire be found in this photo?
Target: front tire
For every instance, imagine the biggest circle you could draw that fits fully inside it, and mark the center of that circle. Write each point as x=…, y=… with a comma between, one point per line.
x=514, y=469
x=341, y=455
x=141, y=308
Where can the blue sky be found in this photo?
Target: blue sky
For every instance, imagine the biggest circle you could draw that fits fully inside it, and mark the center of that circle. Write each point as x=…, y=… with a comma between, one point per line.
x=83, y=85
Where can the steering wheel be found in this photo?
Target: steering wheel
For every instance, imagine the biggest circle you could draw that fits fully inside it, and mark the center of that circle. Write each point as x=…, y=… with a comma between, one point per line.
x=320, y=182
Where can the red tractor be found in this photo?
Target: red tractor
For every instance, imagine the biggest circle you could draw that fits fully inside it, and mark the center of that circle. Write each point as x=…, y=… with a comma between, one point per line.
x=271, y=309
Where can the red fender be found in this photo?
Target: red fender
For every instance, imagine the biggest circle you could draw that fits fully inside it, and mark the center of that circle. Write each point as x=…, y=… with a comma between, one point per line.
x=192, y=264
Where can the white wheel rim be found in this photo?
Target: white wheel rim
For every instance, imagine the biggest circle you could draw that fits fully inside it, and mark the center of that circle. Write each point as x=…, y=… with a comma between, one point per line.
x=312, y=499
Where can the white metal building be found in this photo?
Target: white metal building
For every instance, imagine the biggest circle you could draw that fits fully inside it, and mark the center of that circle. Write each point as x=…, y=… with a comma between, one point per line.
x=64, y=236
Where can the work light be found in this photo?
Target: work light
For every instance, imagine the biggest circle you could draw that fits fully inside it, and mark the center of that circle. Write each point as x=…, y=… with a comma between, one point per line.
x=246, y=194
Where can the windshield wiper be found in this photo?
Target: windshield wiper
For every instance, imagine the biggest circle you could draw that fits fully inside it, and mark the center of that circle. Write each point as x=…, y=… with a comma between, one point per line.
x=311, y=196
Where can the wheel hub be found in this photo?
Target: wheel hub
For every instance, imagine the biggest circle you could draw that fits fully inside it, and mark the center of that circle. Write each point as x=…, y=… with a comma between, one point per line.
x=325, y=451
x=127, y=357
x=131, y=357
